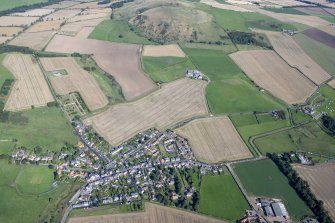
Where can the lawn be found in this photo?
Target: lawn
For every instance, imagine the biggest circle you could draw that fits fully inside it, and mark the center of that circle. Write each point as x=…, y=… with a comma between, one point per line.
x=229, y=90
x=263, y=178
x=45, y=127
x=9, y=4
x=319, y=52
x=118, y=31
x=166, y=69
x=220, y=197
x=309, y=137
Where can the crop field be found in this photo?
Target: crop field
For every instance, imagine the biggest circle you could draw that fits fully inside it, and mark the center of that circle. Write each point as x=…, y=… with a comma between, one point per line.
x=133, y=81
x=270, y=72
x=221, y=198
x=89, y=5
x=319, y=52
x=229, y=89
x=328, y=29
x=9, y=4
x=62, y=14
x=296, y=57
x=10, y=31
x=87, y=16
x=172, y=50
x=3, y=39
x=17, y=20
x=332, y=83
x=153, y=213
x=45, y=26
x=35, y=12
x=30, y=88
x=174, y=102
x=263, y=178
x=62, y=4
x=214, y=140
x=321, y=180
x=216, y=4
x=76, y=80
x=36, y=41
x=320, y=36
x=166, y=69
x=72, y=29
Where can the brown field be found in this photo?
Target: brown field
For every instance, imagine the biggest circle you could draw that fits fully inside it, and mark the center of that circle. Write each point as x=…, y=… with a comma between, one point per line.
x=3, y=39
x=72, y=29
x=320, y=36
x=328, y=29
x=85, y=17
x=216, y=4
x=76, y=80
x=36, y=41
x=312, y=10
x=332, y=83
x=62, y=14
x=154, y=213
x=296, y=57
x=172, y=50
x=17, y=20
x=174, y=102
x=89, y=5
x=45, y=26
x=270, y=72
x=321, y=180
x=120, y=60
x=214, y=140
x=10, y=31
x=35, y=12
x=30, y=87
x=61, y=5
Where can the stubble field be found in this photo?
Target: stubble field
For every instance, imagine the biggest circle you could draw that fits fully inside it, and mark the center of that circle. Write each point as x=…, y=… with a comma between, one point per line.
x=270, y=72
x=172, y=50
x=30, y=87
x=10, y=31
x=35, y=12
x=176, y=101
x=36, y=41
x=62, y=14
x=73, y=28
x=321, y=180
x=214, y=140
x=45, y=26
x=17, y=20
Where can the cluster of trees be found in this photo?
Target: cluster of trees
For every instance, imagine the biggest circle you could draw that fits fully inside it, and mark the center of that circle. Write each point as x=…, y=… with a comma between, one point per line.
x=329, y=123
x=238, y=37
x=119, y=4
x=6, y=87
x=28, y=7
x=301, y=187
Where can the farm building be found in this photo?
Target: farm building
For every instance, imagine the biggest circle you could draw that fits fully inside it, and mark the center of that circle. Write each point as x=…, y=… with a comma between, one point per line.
x=194, y=74
x=279, y=209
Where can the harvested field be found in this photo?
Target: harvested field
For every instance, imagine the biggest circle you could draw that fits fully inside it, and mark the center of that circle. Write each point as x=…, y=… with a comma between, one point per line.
x=45, y=26
x=172, y=50
x=175, y=102
x=10, y=31
x=30, y=87
x=3, y=39
x=296, y=57
x=120, y=60
x=76, y=80
x=35, y=12
x=320, y=36
x=332, y=83
x=62, y=14
x=328, y=29
x=321, y=180
x=216, y=4
x=89, y=5
x=85, y=17
x=312, y=10
x=61, y=5
x=153, y=214
x=214, y=140
x=17, y=20
x=270, y=72
x=36, y=41
x=72, y=29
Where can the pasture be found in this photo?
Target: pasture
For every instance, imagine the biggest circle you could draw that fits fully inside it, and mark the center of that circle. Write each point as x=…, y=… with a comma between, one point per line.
x=321, y=181
x=76, y=80
x=172, y=50
x=174, y=102
x=263, y=178
x=30, y=88
x=221, y=198
x=34, y=40
x=229, y=90
x=229, y=7
x=214, y=140
x=270, y=72
x=9, y=4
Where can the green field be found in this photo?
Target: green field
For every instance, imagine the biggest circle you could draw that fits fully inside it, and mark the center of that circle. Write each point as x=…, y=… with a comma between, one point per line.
x=229, y=90
x=262, y=178
x=45, y=127
x=319, y=52
x=9, y=4
x=309, y=137
x=5, y=74
x=299, y=117
x=220, y=197
x=286, y=11
x=166, y=69
x=118, y=31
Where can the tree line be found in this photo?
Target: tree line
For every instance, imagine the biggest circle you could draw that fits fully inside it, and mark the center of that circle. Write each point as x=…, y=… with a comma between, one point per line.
x=329, y=123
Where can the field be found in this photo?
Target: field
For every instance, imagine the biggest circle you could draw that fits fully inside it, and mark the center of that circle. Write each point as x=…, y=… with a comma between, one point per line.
x=30, y=88
x=166, y=69
x=263, y=178
x=295, y=56
x=332, y=83
x=270, y=72
x=133, y=81
x=215, y=4
x=320, y=53
x=3, y=39
x=321, y=181
x=86, y=15
x=62, y=4
x=174, y=102
x=76, y=80
x=172, y=50
x=45, y=26
x=10, y=31
x=73, y=29
x=214, y=140
x=221, y=198
x=36, y=41
x=44, y=127
x=63, y=14
x=34, y=12
x=9, y=4
x=17, y=21
x=320, y=36
x=153, y=213
x=229, y=90
x=308, y=138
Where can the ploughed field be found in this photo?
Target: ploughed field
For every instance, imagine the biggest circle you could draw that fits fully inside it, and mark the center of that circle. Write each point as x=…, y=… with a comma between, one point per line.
x=214, y=140
x=174, y=102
